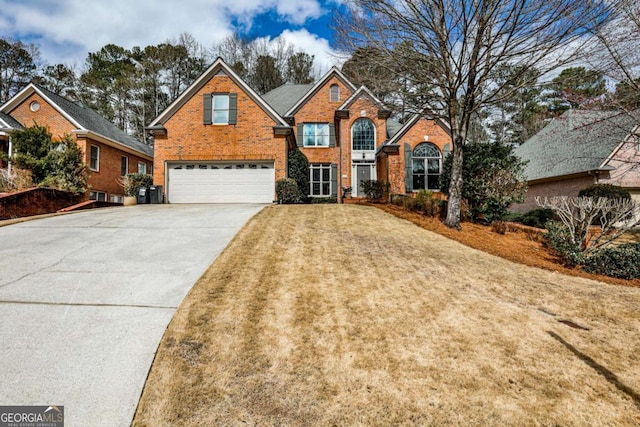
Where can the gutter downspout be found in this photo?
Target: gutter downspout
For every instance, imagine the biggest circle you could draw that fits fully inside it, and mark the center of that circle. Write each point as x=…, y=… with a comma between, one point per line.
x=10, y=153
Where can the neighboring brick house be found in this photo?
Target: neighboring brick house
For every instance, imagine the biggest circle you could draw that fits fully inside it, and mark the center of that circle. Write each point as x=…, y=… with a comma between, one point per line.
x=7, y=125
x=108, y=152
x=579, y=149
x=222, y=142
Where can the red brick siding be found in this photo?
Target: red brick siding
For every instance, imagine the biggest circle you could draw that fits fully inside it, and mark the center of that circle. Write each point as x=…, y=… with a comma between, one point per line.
x=47, y=116
x=188, y=138
x=35, y=201
x=414, y=136
x=362, y=107
x=318, y=109
x=106, y=179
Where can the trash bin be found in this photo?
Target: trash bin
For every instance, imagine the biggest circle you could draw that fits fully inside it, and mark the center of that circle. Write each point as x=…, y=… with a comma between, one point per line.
x=143, y=196
x=155, y=194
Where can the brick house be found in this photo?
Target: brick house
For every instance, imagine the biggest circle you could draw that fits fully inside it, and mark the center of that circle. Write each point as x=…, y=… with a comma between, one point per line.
x=579, y=149
x=222, y=142
x=7, y=125
x=108, y=152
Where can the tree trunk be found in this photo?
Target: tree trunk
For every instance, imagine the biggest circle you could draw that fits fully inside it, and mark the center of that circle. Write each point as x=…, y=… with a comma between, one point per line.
x=455, y=187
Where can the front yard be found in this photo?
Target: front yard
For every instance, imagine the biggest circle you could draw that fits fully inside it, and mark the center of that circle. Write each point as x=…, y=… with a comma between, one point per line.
x=345, y=315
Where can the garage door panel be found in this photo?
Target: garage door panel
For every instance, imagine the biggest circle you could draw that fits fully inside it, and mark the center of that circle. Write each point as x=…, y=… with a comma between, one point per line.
x=237, y=183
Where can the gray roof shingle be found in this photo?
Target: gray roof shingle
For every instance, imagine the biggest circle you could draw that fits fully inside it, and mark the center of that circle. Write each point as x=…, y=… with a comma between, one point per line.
x=90, y=120
x=10, y=121
x=284, y=97
x=578, y=141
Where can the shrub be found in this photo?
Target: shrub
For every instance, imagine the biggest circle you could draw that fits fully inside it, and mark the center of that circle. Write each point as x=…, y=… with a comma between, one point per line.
x=606, y=191
x=533, y=218
x=620, y=261
x=323, y=200
x=499, y=227
x=299, y=170
x=287, y=191
x=17, y=179
x=374, y=190
x=426, y=204
x=493, y=179
x=67, y=171
x=133, y=182
x=558, y=239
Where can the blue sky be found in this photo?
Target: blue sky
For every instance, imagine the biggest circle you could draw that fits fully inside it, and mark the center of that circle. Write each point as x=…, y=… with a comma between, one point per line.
x=65, y=31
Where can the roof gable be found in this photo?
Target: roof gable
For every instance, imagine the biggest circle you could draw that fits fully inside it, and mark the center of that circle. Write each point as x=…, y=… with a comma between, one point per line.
x=578, y=141
x=333, y=72
x=8, y=122
x=362, y=92
x=399, y=133
x=83, y=118
x=218, y=66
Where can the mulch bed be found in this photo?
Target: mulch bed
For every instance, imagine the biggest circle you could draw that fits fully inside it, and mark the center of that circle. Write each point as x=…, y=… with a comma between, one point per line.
x=519, y=245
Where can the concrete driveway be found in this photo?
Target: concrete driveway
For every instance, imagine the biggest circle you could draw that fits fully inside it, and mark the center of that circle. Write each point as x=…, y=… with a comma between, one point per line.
x=85, y=299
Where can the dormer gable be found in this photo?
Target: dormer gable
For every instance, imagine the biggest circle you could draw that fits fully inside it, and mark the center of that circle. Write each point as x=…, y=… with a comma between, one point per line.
x=362, y=92
x=333, y=73
x=218, y=68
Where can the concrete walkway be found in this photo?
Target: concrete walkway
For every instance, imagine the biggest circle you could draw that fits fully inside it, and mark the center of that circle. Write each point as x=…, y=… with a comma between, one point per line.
x=85, y=299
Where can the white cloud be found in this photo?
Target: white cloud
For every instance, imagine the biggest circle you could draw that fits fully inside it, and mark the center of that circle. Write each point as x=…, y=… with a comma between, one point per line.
x=67, y=30
x=303, y=40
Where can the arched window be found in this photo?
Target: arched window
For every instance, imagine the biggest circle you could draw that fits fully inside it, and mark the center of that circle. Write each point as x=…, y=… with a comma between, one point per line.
x=363, y=135
x=427, y=167
x=334, y=93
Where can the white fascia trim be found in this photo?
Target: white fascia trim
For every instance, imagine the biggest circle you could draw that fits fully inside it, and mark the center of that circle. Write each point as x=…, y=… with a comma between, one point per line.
x=110, y=142
x=318, y=85
x=205, y=77
x=27, y=92
x=412, y=121
x=357, y=93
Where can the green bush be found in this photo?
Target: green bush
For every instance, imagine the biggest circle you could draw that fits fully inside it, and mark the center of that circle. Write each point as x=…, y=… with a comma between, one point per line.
x=426, y=204
x=374, y=190
x=620, y=261
x=288, y=191
x=605, y=191
x=299, y=170
x=322, y=200
x=533, y=218
x=558, y=239
x=493, y=180
x=66, y=169
x=133, y=182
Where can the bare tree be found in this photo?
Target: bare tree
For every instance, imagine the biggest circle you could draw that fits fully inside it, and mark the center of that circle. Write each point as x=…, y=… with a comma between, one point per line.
x=463, y=41
x=579, y=215
x=616, y=45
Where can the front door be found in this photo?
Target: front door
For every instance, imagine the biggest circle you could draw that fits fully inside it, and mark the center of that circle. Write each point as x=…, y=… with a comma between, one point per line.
x=363, y=173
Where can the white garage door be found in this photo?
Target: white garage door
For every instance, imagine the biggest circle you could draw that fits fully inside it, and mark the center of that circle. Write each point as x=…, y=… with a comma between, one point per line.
x=221, y=183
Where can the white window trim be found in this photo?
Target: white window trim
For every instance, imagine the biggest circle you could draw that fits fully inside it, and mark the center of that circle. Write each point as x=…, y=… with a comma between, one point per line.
x=331, y=99
x=426, y=168
x=97, y=195
x=126, y=171
x=213, y=109
x=97, y=168
x=304, y=140
x=375, y=135
x=321, y=167
x=144, y=165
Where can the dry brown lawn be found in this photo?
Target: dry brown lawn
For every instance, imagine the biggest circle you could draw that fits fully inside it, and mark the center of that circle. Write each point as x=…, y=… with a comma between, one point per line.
x=344, y=315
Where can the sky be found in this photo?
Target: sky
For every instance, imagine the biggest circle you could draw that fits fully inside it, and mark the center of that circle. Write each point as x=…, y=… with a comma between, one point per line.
x=66, y=31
